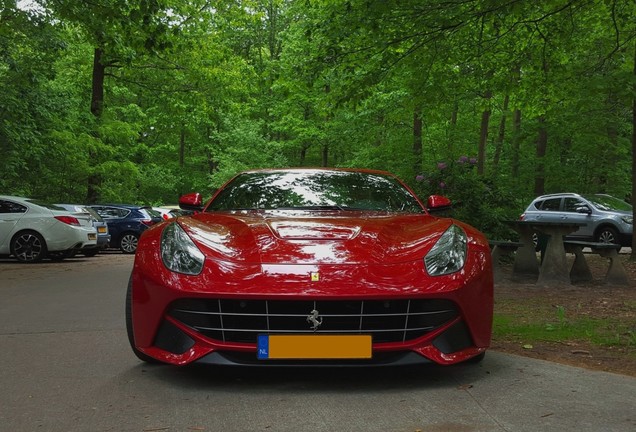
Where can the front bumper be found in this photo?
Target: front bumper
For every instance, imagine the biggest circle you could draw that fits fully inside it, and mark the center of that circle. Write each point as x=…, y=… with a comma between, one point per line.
x=170, y=338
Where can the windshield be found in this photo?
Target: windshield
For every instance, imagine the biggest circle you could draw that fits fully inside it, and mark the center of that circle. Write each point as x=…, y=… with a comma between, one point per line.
x=608, y=203
x=151, y=212
x=315, y=190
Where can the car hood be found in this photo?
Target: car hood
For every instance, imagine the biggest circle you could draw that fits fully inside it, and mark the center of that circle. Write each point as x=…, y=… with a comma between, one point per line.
x=352, y=238
x=620, y=213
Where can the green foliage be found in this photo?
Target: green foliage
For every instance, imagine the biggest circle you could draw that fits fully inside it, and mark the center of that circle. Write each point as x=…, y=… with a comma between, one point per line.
x=121, y=182
x=243, y=148
x=196, y=91
x=477, y=200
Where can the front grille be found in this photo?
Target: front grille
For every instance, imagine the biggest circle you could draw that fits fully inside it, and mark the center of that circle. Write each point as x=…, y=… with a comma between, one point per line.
x=242, y=320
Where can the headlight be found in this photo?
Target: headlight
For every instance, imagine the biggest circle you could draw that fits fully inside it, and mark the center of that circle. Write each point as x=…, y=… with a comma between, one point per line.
x=178, y=251
x=628, y=220
x=449, y=253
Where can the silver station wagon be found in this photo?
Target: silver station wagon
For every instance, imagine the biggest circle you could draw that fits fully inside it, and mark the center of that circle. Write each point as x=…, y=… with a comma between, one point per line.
x=607, y=219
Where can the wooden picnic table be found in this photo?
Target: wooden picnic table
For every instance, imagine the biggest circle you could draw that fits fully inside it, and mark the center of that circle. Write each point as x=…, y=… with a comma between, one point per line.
x=553, y=269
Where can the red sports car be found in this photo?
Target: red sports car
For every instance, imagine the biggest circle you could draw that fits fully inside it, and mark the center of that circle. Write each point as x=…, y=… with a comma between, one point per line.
x=311, y=267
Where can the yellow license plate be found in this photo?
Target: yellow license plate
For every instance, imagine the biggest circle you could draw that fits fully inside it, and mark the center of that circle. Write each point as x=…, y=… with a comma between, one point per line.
x=305, y=347
x=92, y=236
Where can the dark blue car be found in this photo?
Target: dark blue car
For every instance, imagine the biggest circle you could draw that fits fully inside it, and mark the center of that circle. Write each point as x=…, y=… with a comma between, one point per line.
x=126, y=223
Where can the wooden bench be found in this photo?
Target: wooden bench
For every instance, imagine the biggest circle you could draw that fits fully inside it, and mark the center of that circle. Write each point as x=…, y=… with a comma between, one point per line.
x=499, y=249
x=616, y=273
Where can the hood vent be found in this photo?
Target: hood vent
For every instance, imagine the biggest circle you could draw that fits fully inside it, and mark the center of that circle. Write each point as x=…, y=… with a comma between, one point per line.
x=307, y=230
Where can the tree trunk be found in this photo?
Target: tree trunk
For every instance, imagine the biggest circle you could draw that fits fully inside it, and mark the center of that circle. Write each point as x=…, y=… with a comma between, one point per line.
x=97, y=100
x=502, y=133
x=453, y=119
x=305, y=146
x=632, y=199
x=97, y=107
x=542, y=145
x=452, y=130
x=379, y=139
x=516, y=139
x=417, y=140
x=325, y=155
x=516, y=131
x=182, y=143
x=483, y=135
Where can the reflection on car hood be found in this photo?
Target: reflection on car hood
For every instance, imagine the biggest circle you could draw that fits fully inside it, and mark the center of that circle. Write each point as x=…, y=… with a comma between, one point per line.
x=350, y=238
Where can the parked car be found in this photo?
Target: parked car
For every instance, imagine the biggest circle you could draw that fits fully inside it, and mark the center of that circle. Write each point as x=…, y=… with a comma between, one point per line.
x=311, y=267
x=31, y=230
x=126, y=223
x=169, y=212
x=180, y=212
x=103, y=236
x=164, y=212
x=606, y=218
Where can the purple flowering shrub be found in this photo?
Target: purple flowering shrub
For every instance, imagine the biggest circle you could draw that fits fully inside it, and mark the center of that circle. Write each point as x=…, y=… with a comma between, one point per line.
x=476, y=199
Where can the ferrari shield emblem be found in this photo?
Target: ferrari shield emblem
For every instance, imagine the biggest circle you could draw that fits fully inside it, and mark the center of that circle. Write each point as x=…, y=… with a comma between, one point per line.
x=315, y=276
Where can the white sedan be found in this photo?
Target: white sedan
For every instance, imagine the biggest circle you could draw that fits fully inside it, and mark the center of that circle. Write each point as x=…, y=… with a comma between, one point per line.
x=31, y=230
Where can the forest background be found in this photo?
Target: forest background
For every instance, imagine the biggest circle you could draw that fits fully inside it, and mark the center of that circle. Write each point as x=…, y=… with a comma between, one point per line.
x=490, y=102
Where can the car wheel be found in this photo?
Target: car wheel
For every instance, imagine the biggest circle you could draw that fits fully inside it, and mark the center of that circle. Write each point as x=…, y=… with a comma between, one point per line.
x=607, y=235
x=128, y=243
x=129, y=328
x=28, y=246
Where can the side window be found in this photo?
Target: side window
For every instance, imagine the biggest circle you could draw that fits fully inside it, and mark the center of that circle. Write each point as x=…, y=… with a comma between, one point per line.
x=538, y=204
x=99, y=210
x=112, y=212
x=551, y=204
x=571, y=204
x=11, y=207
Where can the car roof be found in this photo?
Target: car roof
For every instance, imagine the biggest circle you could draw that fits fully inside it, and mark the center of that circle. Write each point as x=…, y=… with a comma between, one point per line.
x=572, y=194
x=15, y=198
x=126, y=206
x=70, y=205
x=555, y=195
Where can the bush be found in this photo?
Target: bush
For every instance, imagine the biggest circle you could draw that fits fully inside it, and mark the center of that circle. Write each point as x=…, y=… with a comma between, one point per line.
x=477, y=199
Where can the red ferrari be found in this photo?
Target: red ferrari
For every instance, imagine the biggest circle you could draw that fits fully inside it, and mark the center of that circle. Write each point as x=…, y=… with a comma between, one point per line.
x=311, y=267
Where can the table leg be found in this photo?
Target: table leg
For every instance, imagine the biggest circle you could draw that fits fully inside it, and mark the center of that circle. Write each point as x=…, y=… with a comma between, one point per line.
x=526, y=265
x=616, y=273
x=554, y=269
x=580, y=271
x=496, y=266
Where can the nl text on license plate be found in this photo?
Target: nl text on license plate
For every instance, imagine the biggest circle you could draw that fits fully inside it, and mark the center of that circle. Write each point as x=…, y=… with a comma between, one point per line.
x=305, y=347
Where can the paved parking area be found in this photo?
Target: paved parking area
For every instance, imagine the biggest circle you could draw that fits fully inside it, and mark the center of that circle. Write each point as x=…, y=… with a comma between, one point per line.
x=66, y=366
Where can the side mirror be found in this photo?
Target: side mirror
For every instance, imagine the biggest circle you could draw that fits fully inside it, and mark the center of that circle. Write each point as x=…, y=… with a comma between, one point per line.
x=584, y=209
x=437, y=203
x=191, y=201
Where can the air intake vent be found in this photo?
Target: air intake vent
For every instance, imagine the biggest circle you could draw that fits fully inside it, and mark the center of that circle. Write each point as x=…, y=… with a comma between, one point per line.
x=242, y=320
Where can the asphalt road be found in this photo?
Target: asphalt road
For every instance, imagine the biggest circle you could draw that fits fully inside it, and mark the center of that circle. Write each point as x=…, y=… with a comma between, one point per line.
x=65, y=365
